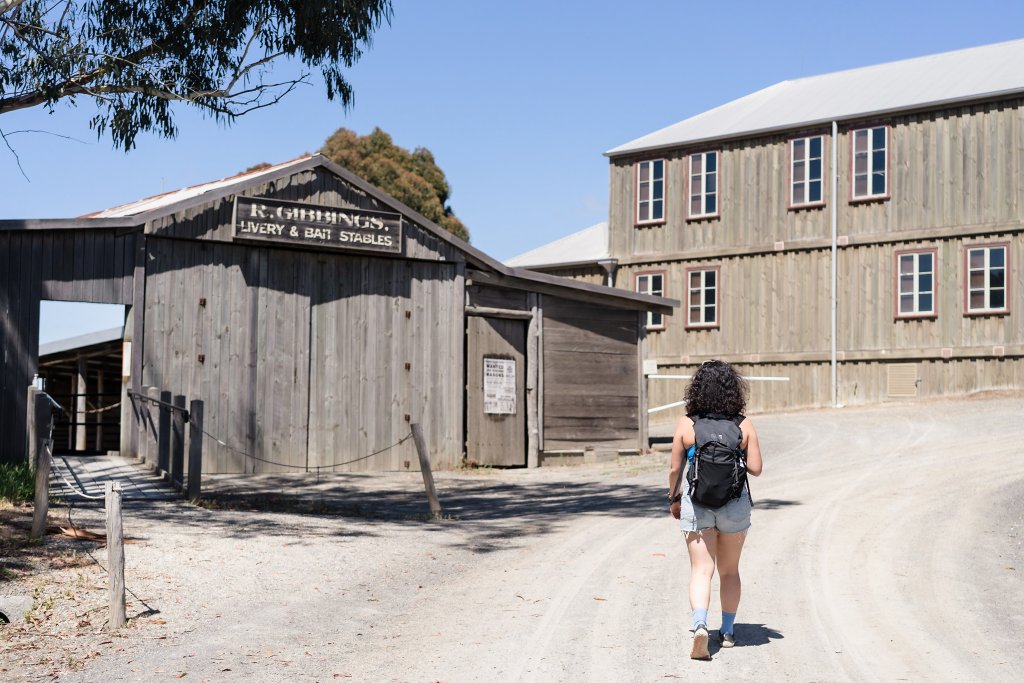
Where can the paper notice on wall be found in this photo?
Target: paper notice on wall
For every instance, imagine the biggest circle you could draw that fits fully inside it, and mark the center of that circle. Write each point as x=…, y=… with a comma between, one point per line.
x=499, y=386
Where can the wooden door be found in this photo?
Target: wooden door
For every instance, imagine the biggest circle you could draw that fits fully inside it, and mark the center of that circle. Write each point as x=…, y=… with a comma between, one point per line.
x=496, y=391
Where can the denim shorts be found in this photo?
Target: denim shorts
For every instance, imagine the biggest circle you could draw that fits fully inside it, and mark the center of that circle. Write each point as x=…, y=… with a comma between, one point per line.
x=731, y=518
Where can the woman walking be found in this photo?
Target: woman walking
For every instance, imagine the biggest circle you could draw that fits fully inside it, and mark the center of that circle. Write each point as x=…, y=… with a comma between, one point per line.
x=715, y=530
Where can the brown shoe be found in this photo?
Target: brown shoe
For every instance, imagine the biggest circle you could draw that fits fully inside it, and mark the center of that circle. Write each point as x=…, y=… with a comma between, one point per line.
x=700, y=643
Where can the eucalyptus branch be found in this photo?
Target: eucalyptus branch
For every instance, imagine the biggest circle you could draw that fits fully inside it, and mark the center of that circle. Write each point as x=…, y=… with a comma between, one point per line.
x=17, y=159
x=7, y=6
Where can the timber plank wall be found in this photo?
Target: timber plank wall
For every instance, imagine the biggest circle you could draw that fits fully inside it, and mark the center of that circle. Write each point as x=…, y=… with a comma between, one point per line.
x=590, y=365
x=95, y=265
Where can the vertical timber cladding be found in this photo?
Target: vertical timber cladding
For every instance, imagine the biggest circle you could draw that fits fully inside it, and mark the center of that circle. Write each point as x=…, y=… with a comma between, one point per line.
x=591, y=387
x=304, y=358
x=90, y=265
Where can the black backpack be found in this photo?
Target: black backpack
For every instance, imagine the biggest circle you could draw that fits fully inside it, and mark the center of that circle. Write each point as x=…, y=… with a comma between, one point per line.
x=718, y=471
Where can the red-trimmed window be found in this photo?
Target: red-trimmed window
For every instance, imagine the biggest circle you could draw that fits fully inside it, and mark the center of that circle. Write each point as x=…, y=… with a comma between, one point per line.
x=702, y=310
x=702, y=185
x=915, y=283
x=652, y=283
x=986, y=283
x=870, y=152
x=805, y=171
x=650, y=191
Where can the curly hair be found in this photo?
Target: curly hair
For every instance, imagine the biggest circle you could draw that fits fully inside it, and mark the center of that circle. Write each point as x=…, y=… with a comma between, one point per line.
x=716, y=389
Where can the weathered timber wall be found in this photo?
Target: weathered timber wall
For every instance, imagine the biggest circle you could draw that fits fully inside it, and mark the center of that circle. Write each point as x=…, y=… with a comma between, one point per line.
x=94, y=266
x=303, y=353
x=590, y=365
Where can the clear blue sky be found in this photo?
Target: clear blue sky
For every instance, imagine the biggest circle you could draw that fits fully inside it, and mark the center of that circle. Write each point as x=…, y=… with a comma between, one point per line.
x=517, y=100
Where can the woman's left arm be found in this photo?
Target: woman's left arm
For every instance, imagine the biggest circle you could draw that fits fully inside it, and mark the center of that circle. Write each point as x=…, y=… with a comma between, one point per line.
x=754, y=464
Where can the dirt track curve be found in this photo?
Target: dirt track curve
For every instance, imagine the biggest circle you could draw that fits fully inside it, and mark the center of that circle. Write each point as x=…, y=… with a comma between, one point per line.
x=887, y=545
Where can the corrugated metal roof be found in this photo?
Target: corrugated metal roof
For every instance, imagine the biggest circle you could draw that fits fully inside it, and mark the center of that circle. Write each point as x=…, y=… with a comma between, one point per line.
x=586, y=246
x=946, y=78
x=168, y=198
x=81, y=341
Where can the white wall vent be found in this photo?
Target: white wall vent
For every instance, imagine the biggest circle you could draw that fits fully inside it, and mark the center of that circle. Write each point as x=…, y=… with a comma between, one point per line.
x=902, y=380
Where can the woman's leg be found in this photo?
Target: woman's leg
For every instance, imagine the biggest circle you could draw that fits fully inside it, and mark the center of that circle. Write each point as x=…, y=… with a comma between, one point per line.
x=729, y=548
x=702, y=547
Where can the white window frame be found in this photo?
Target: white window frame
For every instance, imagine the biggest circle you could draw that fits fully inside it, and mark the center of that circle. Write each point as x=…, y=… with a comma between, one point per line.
x=702, y=176
x=914, y=280
x=871, y=170
x=645, y=284
x=650, y=201
x=808, y=180
x=700, y=321
x=986, y=271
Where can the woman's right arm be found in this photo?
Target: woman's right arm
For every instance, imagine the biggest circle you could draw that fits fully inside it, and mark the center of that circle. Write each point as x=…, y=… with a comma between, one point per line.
x=676, y=466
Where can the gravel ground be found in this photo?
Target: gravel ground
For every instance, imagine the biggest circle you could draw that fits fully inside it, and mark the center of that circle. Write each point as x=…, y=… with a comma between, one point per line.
x=888, y=544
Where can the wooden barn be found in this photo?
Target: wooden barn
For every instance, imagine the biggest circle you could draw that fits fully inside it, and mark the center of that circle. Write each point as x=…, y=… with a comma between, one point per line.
x=316, y=318
x=855, y=237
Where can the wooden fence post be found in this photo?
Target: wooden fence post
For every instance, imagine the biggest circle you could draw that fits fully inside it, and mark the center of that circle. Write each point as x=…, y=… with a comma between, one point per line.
x=32, y=443
x=143, y=424
x=428, y=474
x=163, y=435
x=195, y=449
x=178, y=442
x=42, y=498
x=115, y=555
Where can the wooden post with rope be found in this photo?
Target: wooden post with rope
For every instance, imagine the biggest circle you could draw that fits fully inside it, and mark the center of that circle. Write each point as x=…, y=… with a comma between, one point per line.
x=195, y=449
x=41, y=437
x=115, y=555
x=428, y=474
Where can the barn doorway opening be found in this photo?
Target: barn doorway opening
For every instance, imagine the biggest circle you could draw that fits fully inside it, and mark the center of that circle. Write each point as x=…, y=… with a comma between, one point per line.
x=81, y=366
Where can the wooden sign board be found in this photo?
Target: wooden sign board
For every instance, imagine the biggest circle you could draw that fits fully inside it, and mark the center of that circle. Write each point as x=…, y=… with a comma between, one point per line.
x=272, y=220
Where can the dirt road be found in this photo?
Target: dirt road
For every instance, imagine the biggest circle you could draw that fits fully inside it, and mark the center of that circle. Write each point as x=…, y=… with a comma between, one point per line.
x=887, y=545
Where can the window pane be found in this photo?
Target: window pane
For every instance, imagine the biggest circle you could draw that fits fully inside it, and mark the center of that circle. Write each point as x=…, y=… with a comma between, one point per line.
x=656, y=284
x=712, y=162
x=815, y=169
x=711, y=204
x=878, y=162
x=878, y=138
x=709, y=278
x=659, y=169
x=695, y=207
x=878, y=183
x=798, y=194
x=860, y=186
x=645, y=191
x=798, y=172
x=924, y=263
x=799, y=147
x=645, y=172
x=860, y=141
x=815, y=191
x=710, y=183
x=860, y=164
x=906, y=284
x=658, y=185
x=695, y=163
x=997, y=257
x=695, y=280
x=924, y=282
x=694, y=314
x=925, y=303
x=997, y=298
x=709, y=314
x=977, y=300
x=976, y=258
x=816, y=147
x=906, y=303
x=643, y=214
x=695, y=297
x=997, y=278
x=656, y=210
x=655, y=319
x=709, y=297
x=906, y=263
x=977, y=279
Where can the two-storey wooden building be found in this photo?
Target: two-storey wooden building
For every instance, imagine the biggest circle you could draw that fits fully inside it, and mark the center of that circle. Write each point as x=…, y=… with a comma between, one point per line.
x=859, y=233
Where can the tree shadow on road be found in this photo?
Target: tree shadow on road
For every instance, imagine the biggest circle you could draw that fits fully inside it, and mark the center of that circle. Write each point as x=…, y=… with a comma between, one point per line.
x=750, y=635
x=773, y=503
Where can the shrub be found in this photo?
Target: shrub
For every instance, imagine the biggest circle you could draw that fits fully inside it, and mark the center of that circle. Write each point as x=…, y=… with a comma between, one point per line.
x=17, y=482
